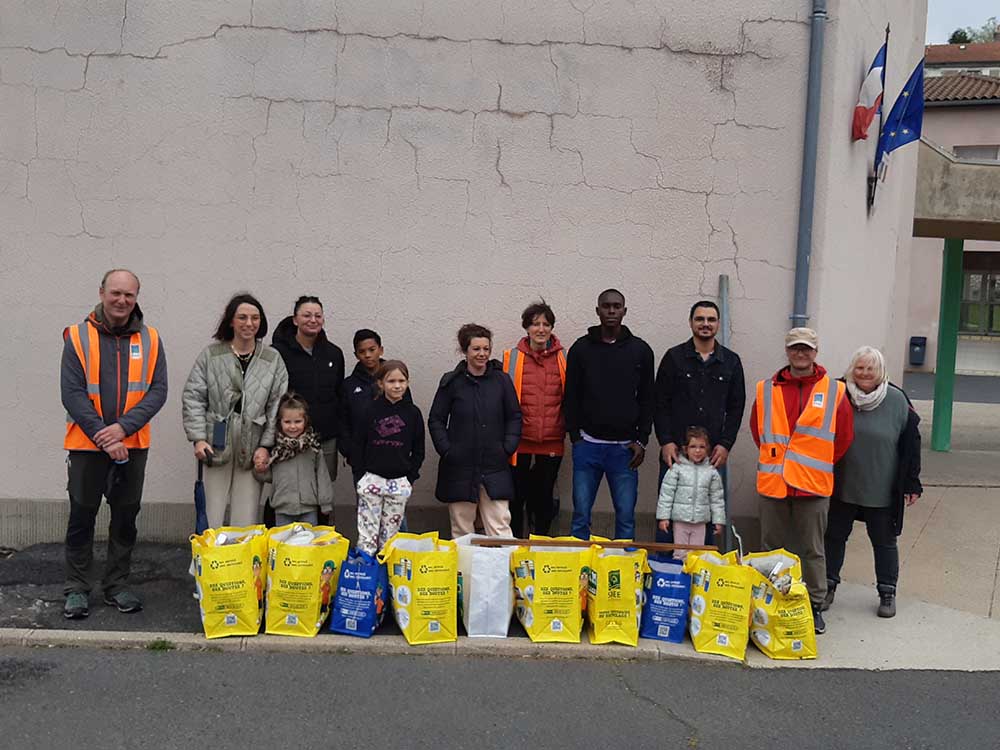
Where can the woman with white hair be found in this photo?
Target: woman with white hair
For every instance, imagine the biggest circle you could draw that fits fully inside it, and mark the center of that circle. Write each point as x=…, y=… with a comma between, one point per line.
x=878, y=476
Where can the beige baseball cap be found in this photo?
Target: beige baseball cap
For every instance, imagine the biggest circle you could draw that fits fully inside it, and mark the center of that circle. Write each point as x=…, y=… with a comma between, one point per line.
x=805, y=336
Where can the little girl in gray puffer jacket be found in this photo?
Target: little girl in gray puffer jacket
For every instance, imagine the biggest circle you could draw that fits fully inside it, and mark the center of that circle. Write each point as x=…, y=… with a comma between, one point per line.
x=691, y=494
x=301, y=485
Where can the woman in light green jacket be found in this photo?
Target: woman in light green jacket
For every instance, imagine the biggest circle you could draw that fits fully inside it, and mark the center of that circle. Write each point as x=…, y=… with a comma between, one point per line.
x=230, y=404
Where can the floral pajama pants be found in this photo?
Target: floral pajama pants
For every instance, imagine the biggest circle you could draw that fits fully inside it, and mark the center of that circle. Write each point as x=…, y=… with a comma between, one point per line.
x=381, y=505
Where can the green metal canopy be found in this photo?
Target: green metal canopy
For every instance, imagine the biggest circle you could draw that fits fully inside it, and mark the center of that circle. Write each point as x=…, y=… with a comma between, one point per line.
x=956, y=200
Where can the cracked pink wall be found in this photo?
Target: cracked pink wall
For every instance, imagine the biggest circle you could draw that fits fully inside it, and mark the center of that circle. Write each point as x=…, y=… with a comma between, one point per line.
x=417, y=164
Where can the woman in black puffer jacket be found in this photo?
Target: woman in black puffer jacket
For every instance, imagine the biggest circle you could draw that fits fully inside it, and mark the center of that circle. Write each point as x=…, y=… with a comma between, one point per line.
x=315, y=371
x=475, y=424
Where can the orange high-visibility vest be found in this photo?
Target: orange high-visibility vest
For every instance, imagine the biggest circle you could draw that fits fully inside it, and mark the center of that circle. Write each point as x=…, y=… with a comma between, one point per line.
x=513, y=365
x=803, y=457
x=143, y=350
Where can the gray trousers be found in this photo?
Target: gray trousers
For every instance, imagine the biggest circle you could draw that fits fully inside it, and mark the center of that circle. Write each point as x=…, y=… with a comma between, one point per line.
x=91, y=476
x=799, y=525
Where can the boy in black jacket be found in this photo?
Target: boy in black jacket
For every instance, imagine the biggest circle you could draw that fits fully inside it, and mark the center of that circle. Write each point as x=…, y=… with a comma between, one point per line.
x=609, y=414
x=360, y=390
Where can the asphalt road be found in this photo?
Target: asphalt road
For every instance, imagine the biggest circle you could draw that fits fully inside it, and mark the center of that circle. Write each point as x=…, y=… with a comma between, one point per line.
x=138, y=699
x=978, y=389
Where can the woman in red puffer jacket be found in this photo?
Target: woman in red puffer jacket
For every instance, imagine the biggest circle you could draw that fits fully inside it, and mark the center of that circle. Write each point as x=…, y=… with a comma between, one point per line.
x=537, y=365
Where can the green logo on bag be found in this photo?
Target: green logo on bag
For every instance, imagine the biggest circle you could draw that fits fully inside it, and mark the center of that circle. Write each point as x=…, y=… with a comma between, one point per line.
x=614, y=579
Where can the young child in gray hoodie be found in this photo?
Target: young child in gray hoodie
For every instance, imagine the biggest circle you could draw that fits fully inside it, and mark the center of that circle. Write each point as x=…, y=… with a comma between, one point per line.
x=296, y=469
x=691, y=494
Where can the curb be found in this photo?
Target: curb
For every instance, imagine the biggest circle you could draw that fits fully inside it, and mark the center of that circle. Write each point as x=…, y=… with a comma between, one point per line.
x=386, y=645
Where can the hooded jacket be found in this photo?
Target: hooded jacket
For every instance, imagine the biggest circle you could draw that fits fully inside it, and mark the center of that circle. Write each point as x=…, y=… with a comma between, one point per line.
x=317, y=377
x=359, y=390
x=692, y=493
x=388, y=439
x=609, y=387
x=475, y=425
x=114, y=379
x=795, y=392
x=543, y=427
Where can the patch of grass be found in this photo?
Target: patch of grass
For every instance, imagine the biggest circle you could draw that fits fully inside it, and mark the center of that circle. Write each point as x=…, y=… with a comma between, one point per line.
x=160, y=644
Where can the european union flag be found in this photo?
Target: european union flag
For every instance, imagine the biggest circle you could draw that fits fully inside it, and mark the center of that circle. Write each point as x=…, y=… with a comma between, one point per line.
x=905, y=119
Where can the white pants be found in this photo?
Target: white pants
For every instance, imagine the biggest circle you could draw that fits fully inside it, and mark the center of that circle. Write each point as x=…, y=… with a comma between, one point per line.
x=230, y=487
x=381, y=505
x=495, y=515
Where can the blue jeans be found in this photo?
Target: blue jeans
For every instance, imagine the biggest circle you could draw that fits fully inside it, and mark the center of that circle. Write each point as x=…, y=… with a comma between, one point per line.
x=591, y=461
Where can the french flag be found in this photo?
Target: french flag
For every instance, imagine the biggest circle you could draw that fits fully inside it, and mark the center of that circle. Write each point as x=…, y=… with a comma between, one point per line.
x=870, y=98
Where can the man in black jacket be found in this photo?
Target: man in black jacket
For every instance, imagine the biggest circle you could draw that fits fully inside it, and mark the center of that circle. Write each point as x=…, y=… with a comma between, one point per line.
x=699, y=384
x=609, y=412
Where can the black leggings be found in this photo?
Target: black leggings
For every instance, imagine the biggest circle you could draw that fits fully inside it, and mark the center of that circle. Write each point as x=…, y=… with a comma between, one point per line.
x=881, y=532
x=532, y=504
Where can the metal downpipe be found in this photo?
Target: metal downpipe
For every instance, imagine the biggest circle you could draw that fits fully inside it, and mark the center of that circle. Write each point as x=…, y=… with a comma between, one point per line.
x=807, y=199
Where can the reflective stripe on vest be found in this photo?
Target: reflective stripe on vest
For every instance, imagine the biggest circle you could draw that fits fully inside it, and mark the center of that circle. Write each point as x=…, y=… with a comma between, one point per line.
x=804, y=459
x=513, y=365
x=143, y=350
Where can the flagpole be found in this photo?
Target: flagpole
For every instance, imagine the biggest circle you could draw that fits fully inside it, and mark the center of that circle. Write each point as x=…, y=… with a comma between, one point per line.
x=873, y=179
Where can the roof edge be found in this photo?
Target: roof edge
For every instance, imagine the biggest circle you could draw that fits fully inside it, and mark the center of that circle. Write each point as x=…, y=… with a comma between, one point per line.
x=960, y=102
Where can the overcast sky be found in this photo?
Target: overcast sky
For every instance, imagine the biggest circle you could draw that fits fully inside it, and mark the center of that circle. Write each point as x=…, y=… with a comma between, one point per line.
x=944, y=16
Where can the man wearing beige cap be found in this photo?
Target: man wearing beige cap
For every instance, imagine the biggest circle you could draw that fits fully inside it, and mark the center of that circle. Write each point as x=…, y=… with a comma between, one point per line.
x=802, y=424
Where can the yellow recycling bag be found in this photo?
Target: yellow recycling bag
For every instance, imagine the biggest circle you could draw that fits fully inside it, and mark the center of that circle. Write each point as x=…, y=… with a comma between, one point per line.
x=781, y=623
x=304, y=564
x=720, y=604
x=228, y=565
x=550, y=589
x=614, y=595
x=423, y=579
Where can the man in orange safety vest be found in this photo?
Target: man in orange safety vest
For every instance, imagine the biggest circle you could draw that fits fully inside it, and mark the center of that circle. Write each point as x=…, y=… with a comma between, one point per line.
x=113, y=381
x=802, y=424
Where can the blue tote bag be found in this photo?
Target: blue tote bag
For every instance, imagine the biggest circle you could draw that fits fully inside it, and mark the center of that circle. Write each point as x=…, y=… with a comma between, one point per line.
x=361, y=596
x=666, y=592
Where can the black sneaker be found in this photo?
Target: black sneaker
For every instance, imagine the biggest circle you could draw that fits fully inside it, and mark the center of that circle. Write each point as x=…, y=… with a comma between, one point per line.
x=76, y=607
x=818, y=622
x=886, y=604
x=126, y=601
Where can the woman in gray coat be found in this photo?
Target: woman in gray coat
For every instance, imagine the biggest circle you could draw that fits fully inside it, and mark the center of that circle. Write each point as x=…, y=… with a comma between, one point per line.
x=229, y=407
x=877, y=478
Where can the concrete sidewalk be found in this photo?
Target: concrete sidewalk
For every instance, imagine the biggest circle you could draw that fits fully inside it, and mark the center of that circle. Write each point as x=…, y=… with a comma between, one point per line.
x=949, y=553
x=950, y=546
x=974, y=458
x=922, y=636
x=948, y=607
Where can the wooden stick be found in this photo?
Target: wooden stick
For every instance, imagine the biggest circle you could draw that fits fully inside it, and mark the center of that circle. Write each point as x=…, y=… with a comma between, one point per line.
x=649, y=546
